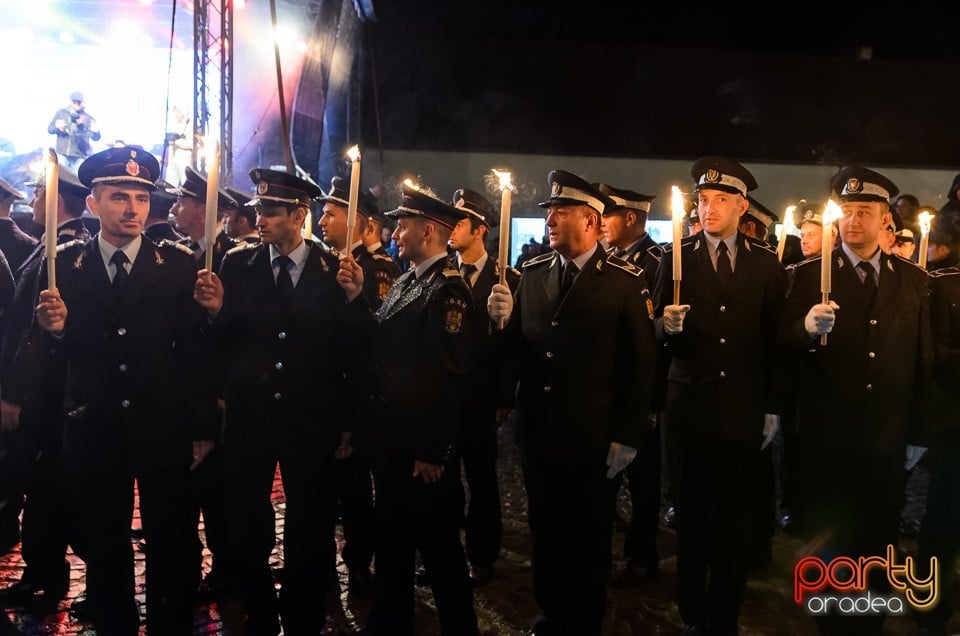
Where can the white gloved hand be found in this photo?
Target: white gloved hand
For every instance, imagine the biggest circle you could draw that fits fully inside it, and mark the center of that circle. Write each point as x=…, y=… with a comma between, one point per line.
x=819, y=320
x=618, y=457
x=771, y=424
x=673, y=316
x=500, y=304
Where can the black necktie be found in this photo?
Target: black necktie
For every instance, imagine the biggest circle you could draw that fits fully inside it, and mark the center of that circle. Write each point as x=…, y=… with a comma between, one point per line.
x=467, y=269
x=570, y=271
x=724, y=271
x=869, y=284
x=119, y=259
x=284, y=282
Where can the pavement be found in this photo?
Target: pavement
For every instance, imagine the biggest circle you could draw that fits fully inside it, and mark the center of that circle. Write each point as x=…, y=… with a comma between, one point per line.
x=505, y=606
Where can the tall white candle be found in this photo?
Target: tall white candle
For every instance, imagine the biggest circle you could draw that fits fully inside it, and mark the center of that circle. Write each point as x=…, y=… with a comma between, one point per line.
x=50, y=221
x=506, y=198
x=784, y=230
x=354, y=154
x=213, y=181
x=925, y=219
x=676, y=204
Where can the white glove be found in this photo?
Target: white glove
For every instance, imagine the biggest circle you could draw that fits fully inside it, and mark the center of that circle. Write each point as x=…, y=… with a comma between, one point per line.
x=673, y=316
x=500, y=304
x=771, y=424
x=914, y=455
x=618, y=457
x=819, y=320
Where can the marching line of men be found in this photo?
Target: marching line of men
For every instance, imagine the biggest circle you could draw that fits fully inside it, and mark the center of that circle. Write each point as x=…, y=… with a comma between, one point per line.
x=198, y=384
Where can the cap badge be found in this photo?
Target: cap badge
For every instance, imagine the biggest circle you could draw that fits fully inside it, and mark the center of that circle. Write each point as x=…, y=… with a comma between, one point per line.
x=132, y=168
x=555, y=189
x=808, y=215
x=854, y=185
x=460, y=203
x=262, y=187
x=712, y=176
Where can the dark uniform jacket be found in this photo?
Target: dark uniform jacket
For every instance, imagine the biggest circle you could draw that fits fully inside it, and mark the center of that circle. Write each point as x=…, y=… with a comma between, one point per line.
x=583, y=364
x=15, y=244
x=729, y=336
x=379, y=272
x=281, y=362
x=864, y=386
x=221, y=246
x=136, y=388
x=422, y=352
x=163, y=231
x=66, y=232
x=645, y=254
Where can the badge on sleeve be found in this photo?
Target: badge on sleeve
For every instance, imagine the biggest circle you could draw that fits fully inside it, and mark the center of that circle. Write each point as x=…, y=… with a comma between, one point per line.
x=384, y=281
x=453, y=311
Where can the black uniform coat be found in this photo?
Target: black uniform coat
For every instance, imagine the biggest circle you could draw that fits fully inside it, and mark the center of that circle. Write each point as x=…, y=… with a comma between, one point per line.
x=15, y=244
x=584, y=364
x=136, y=387
x=163, y=231
x=379, y=272
x=645, y=254
x=66, y=232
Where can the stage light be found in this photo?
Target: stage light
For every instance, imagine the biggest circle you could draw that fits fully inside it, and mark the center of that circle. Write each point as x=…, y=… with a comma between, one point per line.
x=301, y=46
x=239, y=4
x=66, y=37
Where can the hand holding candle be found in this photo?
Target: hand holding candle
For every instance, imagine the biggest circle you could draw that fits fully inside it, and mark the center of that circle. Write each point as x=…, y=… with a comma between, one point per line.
x=505, y=200
x=213, y=178
x=925, y=219
x=52, y=187
x=831, y=213
x=354, y=154
x=676, y=204
x=785, y=230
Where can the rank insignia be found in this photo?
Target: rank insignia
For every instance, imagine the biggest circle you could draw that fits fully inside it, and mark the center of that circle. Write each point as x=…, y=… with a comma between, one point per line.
x=650, y=307
x=454, y=310
x=77, y=264
x=132, y=168
x=157, y=257
x=384, y=281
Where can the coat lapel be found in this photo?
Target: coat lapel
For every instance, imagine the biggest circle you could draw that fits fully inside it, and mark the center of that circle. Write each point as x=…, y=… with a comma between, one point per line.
x=146, y=271
x=744, y=269
x=889, y=286
x=586, y=280
x=551, y=282
x=92, y=274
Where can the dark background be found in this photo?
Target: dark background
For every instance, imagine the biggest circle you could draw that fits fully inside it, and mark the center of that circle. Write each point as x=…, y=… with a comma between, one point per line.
x=819, y=83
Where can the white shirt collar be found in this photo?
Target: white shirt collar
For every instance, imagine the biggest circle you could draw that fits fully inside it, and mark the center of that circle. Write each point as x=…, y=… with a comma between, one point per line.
x=422, y=268
x=131, y=249
x=581, y=261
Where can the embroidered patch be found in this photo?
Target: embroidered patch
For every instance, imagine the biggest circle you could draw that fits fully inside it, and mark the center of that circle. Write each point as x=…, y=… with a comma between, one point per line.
x=157, y=257
x=453, y=311
x=132, y=168
x=384, y=281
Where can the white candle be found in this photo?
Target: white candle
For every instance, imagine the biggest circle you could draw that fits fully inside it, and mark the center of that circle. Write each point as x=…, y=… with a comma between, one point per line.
x=831, y=212
x=354, y=154
x=213, y=178
x=506, y=196
x=787, y=225
x=925, y=219
x=50, y=220
x=678, y=211
x=308, y=226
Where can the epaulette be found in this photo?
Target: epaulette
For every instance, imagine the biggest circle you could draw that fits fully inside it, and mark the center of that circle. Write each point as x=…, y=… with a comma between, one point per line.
x=381, y=257
x=619, y=263
x=242, y=247
x=177, y=246
x=907, y=261
x=656, y=251
x=539, y=260
x=946, y=271
x=450, y=272
x=805, y=262
x=61, y=247
x=752, y=242
x=514, y=271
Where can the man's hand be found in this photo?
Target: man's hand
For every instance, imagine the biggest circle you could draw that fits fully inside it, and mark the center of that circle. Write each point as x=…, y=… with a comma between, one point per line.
x=61, y=124
x=429, y=473
x=771, y=424
x=345, y=449
x=208, y=292
x=201, y=448
x=500, y=304
x=9, y=416
x=673, y=316
x=819, y=320
x=52, y=312
x=619, y=457
x=350, y=277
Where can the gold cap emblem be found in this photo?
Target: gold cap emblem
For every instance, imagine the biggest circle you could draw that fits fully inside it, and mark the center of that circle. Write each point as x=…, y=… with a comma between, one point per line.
x=132, y=168
x=712, y=176
x=262, y=187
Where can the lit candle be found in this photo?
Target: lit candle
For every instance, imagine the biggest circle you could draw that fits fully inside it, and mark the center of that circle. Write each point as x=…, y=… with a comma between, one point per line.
x=677, y=208
x=50, y=225
x=830, y=213
x=784, y=230
x=925, y=218
x=354, y=154
x=213, y=177
x=307, y=232
x=505, y=200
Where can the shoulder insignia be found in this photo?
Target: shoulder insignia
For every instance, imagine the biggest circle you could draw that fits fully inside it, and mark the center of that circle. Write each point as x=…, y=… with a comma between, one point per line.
x=539, y=260
x=453, y=312
x=449, y=272
x=384, y=281
x=61, y=247
x=946, y=271
x=513, y=271
x=177, y=246
x=907, y=261
x=381, y=257
x=619, y=263
x=752, y=242
x=242, y=248
x=656, y=251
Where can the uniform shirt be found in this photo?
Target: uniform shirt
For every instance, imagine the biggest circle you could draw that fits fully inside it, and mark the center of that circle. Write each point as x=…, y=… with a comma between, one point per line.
x=422, y=268
x=107, y=250
x=479, y=264
x=373, y=247
x=580, y=261
x=299, y=258
x=713, y=242
x=856, y=260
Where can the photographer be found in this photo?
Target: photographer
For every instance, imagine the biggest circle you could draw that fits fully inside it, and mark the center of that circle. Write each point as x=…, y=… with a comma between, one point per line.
x=74, y=128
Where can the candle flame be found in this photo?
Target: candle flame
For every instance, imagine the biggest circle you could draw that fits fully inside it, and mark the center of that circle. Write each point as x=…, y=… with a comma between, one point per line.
x=676, y=203
x=925, y=219
x=354, y=154
x=831, y=212
x=410, y=184
x=504, y=179
x=788, y=221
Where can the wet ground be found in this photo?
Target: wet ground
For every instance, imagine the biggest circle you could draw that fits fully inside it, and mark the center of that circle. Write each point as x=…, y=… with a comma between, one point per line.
x=505, y=606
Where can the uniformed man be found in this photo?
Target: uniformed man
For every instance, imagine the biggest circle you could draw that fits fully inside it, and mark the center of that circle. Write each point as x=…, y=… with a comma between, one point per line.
x=124, y=325
x=190, y=213
x=756, y=221
x=421, y=343
x=811, y=232
x=904, y=244
x=852, y=441
x=582, y=340
x=15, y=244
x=34, y=418
x=477, y=446
x=720, y=399
x=240, y=223
x=158, y=226
x=283, y=326
x=943, y=243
